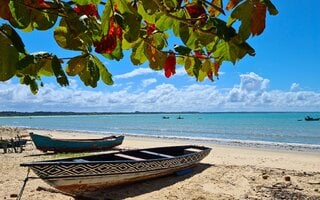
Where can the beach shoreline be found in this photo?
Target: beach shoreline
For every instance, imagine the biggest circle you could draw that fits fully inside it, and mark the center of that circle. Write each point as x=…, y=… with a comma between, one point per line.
x=296, y=147
x=228, y=172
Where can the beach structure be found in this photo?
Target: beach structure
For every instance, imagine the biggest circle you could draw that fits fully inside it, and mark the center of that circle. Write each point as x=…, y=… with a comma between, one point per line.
x=82, y=175
x=14, y=144
x=45, y=143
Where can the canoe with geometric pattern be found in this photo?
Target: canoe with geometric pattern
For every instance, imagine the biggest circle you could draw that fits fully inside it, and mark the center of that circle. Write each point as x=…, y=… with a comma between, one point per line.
x=80, y=175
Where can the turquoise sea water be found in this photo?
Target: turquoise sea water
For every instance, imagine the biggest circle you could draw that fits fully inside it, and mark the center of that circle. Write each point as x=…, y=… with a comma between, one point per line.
x=261, y=127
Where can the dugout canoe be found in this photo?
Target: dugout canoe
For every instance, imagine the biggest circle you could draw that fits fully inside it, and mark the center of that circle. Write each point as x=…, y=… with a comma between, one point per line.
x=80, y=175
x=46, y=143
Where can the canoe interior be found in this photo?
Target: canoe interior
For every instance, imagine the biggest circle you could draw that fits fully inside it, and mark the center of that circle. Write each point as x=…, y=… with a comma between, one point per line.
x=131, y=155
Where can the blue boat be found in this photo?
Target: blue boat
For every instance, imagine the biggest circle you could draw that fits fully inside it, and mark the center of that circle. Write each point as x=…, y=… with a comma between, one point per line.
x=45, y=143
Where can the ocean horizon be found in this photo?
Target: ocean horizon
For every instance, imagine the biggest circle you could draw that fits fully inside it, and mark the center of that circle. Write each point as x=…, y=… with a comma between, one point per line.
x=264, y=128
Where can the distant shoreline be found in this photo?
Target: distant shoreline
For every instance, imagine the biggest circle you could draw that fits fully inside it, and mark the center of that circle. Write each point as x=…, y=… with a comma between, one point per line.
x=62, y=113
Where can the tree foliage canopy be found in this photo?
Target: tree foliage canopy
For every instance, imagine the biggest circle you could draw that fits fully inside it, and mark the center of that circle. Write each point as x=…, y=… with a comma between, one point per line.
x=143, y=27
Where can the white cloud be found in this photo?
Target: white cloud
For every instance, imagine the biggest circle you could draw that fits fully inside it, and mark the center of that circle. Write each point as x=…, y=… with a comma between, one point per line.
x=251, y=94
x=253, y=82
x=294, y=86
x=148, y=82
x=135, y=72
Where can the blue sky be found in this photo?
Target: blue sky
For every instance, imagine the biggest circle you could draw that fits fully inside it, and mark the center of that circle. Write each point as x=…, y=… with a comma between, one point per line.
x=283, y=76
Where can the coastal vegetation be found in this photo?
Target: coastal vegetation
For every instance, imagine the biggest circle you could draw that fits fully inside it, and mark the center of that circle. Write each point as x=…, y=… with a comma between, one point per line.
x=210, y=33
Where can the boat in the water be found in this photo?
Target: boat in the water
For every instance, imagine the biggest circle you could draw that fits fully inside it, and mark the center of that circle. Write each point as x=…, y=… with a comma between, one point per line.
x=45, y=143
x=82, y=175
x=308, y=118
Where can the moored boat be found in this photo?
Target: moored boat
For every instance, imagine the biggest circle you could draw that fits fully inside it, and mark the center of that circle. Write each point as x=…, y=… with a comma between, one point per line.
x=45, y=143
x=308, y=118
x=78, y=176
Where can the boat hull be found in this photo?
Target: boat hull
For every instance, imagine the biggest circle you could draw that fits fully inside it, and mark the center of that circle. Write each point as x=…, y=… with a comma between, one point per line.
x=85, y=185
x=45, y=144
x=78, y=176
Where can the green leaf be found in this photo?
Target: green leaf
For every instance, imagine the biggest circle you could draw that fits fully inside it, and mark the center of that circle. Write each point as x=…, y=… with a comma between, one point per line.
x=182, y=50
x=20, y=13
x=58, y=72
x=150, y=6
x=8, y=60
x=67, y=40
x=26, y=61
x=189, y=62
x=176, y=24
x=76, y=65
x=105, y=75
x=134, y=23
x=147, y=17
x=170, y=4
x=184, y=33
x=271, y=8
x=86, y=2
x=105, y=18
x=201, y=75
x=164, y=23
x=232, y=50
x=243, y=12
x=15, y=39
x=44, y=19
x=156, y=57
x=160, y=40
x=192, y=66
x=46, y=69
x=90, y=75
x=34, y=86
x=137, y=56
x=205, y=67
x=196, y=67
x=224, y=31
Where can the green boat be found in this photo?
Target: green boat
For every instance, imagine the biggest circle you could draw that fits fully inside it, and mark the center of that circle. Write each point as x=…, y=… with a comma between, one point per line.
x=45, y=143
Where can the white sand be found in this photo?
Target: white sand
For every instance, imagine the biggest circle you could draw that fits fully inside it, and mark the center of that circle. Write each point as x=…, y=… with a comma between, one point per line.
x=227, y=173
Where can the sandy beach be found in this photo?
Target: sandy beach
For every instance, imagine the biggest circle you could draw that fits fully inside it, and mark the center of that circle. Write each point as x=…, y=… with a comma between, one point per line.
x=229, y=172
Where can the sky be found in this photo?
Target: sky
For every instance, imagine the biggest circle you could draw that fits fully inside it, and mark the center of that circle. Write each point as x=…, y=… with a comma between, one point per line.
x=283, y=76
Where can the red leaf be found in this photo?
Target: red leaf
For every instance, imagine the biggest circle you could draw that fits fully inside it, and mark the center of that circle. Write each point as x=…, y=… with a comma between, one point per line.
x=108, y=43
x=210, y=74
x=89, y=10
x=5, y=10
x=232, y=3
x=196, y=10
x=150, y=28
x=216, y=67
x=199, y=54
x=258, y=18
x=43, y=4
x=170, y=65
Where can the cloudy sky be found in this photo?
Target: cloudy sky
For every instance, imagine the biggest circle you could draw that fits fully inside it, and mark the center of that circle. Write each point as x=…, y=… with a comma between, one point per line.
x=283, y=76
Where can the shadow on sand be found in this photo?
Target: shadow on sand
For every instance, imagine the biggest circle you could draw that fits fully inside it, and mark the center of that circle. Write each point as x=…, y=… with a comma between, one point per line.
x=142, y=187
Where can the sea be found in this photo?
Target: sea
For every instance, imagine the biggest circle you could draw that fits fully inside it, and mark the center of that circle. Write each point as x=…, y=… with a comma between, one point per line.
x=287, y=129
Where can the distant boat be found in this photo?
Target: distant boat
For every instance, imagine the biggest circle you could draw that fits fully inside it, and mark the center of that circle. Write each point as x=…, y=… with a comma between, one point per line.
x=45, y=143
x=82, y=175
x=308, y=118
x=180, y=117
x=165, y=117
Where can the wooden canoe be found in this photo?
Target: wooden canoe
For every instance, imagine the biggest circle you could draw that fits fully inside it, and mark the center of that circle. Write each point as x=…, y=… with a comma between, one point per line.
x=78, y=176
x=45, y=143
